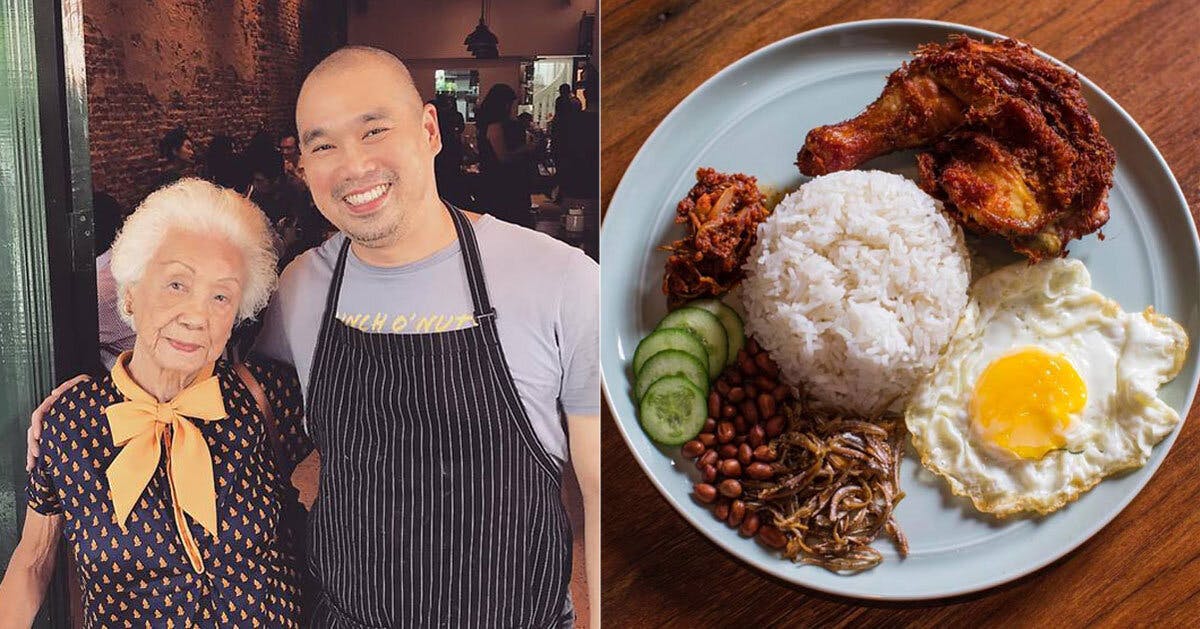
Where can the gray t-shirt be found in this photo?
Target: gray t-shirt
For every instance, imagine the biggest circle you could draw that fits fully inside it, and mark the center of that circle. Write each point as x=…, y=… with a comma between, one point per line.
x=546, y=295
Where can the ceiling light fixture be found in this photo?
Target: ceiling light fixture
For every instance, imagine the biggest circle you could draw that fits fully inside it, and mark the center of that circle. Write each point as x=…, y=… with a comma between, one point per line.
x=482, y=43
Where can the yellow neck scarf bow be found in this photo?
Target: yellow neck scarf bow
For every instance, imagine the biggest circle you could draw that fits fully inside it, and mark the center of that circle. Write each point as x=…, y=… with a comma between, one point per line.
x=139, y=425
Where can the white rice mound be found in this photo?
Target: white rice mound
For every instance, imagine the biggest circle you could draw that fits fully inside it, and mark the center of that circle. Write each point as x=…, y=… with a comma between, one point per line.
x=855, y=286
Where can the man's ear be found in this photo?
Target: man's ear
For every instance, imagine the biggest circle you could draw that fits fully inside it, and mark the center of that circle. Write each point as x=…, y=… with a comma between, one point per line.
x=429, y=122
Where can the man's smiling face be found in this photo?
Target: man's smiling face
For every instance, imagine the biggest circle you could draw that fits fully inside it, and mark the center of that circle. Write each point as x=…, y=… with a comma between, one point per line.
x=367, y=145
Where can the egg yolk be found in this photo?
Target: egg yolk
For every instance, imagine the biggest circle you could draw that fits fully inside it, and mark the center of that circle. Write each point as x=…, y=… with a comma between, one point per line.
x=1024, y=401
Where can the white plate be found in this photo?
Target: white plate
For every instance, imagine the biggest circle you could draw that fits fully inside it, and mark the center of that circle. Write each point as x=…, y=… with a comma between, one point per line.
x=752, y=117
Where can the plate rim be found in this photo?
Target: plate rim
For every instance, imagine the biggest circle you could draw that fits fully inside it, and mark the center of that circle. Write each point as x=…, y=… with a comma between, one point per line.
x=946, y=593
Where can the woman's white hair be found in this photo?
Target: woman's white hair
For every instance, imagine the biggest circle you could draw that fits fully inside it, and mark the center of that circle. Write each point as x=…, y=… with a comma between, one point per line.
x=197, y=206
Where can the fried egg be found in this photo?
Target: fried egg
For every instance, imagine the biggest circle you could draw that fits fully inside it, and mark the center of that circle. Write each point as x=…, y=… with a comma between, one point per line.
x=1045, y=388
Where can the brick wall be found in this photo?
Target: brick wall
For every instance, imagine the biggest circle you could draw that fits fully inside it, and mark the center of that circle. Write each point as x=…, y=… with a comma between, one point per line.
x=215, y=66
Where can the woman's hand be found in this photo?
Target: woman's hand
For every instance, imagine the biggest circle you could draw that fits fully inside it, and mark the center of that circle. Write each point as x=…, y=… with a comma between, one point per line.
x=35, y=420
x=29, y=570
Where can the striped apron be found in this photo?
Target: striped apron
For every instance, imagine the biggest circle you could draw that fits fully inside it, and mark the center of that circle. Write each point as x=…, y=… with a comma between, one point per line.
x=438, y=506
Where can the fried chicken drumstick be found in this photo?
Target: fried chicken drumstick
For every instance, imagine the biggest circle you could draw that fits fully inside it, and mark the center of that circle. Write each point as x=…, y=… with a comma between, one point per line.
x=1011, y=146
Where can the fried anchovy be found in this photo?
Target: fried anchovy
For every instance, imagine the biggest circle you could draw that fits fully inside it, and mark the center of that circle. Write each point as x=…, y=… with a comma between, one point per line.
x=836, y=486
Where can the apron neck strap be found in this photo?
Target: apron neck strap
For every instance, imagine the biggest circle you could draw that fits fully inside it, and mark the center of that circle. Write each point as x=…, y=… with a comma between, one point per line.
x=331, y=298
x=473, y=263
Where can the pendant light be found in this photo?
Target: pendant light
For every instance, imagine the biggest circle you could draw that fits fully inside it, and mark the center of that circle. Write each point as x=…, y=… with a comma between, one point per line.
x=482, y=43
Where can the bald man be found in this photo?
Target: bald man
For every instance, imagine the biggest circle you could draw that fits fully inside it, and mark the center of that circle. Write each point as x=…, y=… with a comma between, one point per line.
x=440, y=352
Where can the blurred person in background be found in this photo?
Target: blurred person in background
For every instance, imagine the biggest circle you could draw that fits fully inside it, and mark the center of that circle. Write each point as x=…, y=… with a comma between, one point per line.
x=223, y=166
x=564, y=106
x=115, y=335
x=448, y=165
x=566, y=101
x=265, y=167
x=505, y=158
x=579, y=169
x=303, y=227
x=579, y=165
x=177, y=148
x=290, y=151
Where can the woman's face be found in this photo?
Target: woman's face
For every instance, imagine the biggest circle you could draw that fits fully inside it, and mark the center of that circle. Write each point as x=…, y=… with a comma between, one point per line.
x=186, y=152
x=186, y=301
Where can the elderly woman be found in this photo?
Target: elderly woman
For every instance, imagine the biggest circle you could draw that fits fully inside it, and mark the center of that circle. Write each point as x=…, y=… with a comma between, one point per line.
x=168, y=477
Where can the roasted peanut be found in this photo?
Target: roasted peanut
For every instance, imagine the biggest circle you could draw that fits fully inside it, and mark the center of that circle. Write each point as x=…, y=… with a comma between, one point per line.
x=757, y=437
x=731, y=468
x=739, y=425
x=730, y=488
x=764, y=362
x=728, y=451
x=709, y=473
x=693, y=449
x=704, y=492
x=707, y=438
x=749, y=411
x=779, y=392
x=721, y=510
x=708, y=458
x=752, y=346
x=746, y=364
x=737, y=394
x=766, y=454
x=745, y=454
x=759, y=471
x=749, y=525
x=725, y=432
x=714, y=404
x=737, y=512
x=766, y=404
x=774, y=426
x=771, y=536
x=728, y=411
x=723, y=387
x=710, y=425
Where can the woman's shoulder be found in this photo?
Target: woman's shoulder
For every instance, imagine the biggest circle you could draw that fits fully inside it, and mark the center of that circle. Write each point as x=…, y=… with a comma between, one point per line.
x=271, y=374
x=281, y=387
x=259, y=363
x=85, y=400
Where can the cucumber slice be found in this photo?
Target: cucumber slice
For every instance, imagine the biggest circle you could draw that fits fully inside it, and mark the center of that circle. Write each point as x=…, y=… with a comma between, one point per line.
x=673, y=410
x=734, y=328
x=707, y=327
x=671, y=362
x=672, y=338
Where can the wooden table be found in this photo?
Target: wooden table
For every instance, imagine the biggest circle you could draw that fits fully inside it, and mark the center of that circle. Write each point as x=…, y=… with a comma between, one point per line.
x=1144, y=566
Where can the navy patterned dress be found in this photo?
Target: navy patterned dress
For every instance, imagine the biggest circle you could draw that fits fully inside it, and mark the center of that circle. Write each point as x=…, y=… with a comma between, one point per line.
x=143, y=577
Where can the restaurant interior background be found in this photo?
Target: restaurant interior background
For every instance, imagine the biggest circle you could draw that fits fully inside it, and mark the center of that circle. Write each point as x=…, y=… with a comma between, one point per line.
x=89, y=89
